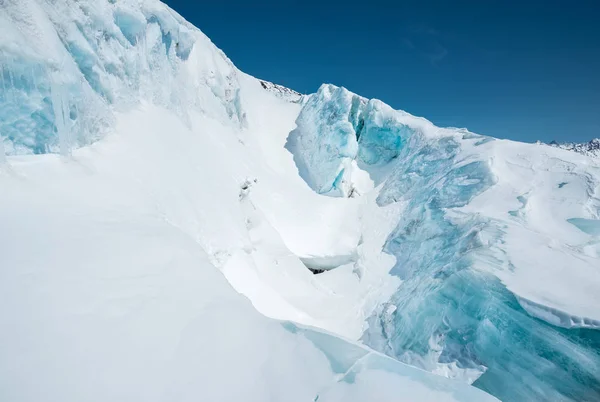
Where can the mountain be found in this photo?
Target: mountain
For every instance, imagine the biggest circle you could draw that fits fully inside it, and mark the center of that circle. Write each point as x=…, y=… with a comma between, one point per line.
x=174, y=229
x=591, y=148
x=282, y=92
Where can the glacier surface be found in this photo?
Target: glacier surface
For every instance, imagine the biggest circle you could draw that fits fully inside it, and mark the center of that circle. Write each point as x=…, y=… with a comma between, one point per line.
x=147, y=186
x=468, y=306
x=127, y=152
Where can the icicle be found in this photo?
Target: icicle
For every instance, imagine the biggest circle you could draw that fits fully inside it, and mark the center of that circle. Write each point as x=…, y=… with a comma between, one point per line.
x=77, y=130
x=3, y=81
x=34, y=79
x=13, y=97
x=7, y=90
x=61, y=115
x=2, y=152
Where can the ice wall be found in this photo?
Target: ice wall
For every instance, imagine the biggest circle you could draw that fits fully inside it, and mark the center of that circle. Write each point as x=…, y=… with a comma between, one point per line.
x=67, y=66
x=325, y=140
x=339, y=133
x=451, y=315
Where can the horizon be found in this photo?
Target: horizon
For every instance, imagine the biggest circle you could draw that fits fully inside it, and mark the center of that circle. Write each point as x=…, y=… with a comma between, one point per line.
x=455, y=66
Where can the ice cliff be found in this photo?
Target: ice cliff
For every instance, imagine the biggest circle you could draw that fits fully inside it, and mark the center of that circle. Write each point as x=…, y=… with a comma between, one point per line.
x=67, y=66
x=465, y=307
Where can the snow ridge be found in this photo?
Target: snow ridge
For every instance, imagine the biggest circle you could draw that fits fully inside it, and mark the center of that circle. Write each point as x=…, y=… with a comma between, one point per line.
x=282, y=92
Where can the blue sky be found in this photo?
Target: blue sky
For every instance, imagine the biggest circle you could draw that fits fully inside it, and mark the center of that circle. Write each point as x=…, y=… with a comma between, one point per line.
x=523, y=70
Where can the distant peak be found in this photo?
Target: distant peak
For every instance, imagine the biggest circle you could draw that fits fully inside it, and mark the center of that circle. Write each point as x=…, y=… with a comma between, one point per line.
x=282, y=92
x=591, y=148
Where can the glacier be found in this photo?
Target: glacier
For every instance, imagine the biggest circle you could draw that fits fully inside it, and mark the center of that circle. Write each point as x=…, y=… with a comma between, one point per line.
x=452, y=314
x=162, y=215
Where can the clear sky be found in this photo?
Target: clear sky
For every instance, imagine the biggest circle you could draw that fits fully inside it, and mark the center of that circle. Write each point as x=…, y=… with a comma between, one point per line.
x=524, y=70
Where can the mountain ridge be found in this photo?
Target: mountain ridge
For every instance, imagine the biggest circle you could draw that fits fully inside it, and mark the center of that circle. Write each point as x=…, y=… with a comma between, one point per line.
x=591, y=148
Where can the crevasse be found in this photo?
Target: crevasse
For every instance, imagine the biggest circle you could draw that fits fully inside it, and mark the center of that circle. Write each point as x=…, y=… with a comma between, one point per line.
x=451, y=314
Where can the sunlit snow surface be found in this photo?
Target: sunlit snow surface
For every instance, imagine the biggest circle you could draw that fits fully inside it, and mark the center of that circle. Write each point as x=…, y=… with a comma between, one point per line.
x=116, y=242
x=142, y=177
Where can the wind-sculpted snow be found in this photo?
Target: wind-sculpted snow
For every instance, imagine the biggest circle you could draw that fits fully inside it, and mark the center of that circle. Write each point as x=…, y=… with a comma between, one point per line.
x=66, y=66
x=452, y=314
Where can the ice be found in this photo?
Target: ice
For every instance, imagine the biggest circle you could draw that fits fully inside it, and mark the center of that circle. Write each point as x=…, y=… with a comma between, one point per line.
x=557, y=317
x=62, y=115
x=341, y=136
x=2, y=152
x=381, y=135
x=122, y=300
x=325, y=141
x=94, y=58
x=589, y=226
x=469, y=305
x=172, y=188
x=362, y=373
x=188, y=195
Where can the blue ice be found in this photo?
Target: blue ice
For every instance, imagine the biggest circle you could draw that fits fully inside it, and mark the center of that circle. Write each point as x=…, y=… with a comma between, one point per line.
x=447, y=312
x=107, y=58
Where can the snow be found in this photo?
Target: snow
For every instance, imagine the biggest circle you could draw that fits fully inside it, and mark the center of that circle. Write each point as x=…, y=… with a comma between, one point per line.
x=169, y=177
x=591, y=148
x=542, y=234
x=491, y=234
x=110, y=292
x=161, y=212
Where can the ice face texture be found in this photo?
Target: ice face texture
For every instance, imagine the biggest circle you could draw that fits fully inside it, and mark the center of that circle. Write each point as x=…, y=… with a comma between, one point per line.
x=67, y=66
x=452, y=314
x=338, y=130
x=325, y=139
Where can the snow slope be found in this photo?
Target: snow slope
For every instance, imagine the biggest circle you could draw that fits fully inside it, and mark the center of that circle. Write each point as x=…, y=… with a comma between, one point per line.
x=145, y=180
x=109, y=292
x=111, y=252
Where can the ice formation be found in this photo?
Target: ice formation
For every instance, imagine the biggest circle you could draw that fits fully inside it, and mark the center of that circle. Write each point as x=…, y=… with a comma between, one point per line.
x=144, y=180
x=66, y=68
x=453, y=314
